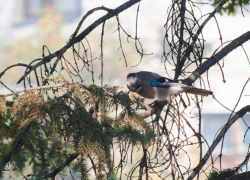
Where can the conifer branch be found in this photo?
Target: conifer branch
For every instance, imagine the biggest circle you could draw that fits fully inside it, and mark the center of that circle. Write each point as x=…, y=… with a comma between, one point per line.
x=241, y=176
x=33, y=88
x=68, y=85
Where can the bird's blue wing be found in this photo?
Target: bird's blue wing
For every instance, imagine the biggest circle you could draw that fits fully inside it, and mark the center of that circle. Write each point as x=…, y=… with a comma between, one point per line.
x=154, y=83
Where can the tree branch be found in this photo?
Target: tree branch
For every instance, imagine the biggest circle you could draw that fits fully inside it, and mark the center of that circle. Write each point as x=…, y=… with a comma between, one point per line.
x=14, y=65
x=205, y=66
x=182, y=16
x=217, y=57
x=68, y=85
x=71, y=158
x=33, y=88
x=242, y=176
x=195, y=38
x=149, y=111
x=81, y=36
x=230, y=122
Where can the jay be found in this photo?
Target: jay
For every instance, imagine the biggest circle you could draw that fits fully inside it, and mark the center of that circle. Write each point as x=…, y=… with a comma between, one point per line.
x=153, y=86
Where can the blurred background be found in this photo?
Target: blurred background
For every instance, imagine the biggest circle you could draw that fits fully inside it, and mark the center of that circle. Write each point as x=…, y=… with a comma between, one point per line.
x=27, y=25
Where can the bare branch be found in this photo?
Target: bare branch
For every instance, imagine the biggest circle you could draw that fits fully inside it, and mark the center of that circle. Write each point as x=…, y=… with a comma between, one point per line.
x=14, y=65
x=230, y=122
x=31, y=89
x=195, y=38
x=217, y=57
x=58, y=54
x=71, y=158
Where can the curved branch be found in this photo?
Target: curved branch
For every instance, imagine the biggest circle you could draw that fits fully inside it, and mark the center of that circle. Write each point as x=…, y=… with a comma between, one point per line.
x=14, y=65
x=217, y=57
x=81, y=36
x=195, y=38
x=230, y=122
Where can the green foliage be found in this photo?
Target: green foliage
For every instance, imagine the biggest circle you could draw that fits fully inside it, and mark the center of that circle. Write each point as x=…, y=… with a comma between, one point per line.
x=135, y=130
x=15, y=153
x=231, y=6
x=81, y=167
x=47, y=141
x=5, y=158
x=44, y=134
x=124, y=100
x=76, y=126
x=112, y=177
x=133, y=136
x=215, y=175
x=97, y=91
x=28, y=143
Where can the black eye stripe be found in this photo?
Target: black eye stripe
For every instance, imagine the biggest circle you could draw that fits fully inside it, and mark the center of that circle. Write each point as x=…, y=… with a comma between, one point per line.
x=138, y=86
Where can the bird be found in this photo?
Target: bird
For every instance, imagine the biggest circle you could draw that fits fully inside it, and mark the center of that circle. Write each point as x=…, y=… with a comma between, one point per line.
x=151, y=85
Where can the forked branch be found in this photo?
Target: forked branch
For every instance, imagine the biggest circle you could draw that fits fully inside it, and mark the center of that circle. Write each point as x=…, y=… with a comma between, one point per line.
x=75, y=39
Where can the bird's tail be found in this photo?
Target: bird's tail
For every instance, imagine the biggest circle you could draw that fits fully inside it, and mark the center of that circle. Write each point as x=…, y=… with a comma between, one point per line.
x=197, y=91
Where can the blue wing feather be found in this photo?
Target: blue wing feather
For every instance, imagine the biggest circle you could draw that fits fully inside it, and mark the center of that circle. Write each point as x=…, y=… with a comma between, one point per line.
x=155, y=83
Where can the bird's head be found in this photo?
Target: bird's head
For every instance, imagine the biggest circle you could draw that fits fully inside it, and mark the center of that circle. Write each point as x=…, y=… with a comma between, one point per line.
x=133, y=82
